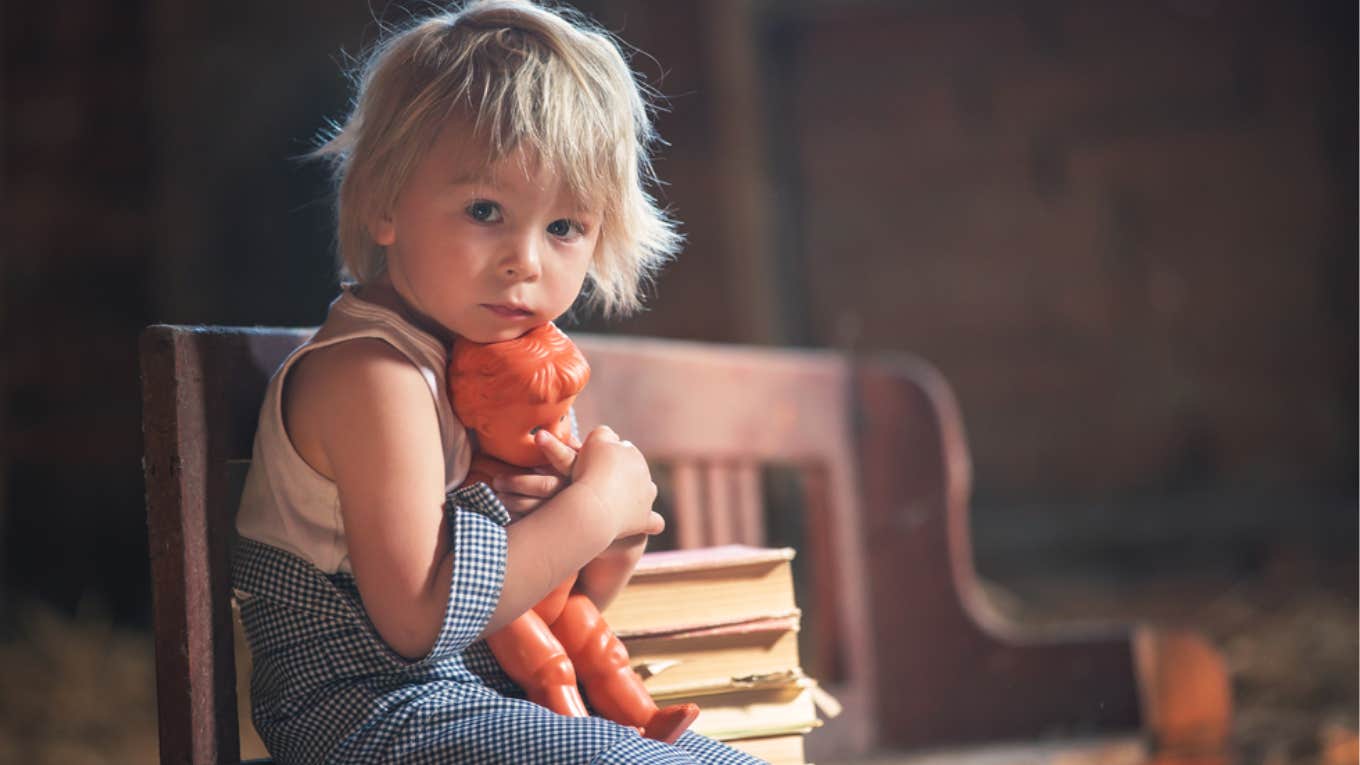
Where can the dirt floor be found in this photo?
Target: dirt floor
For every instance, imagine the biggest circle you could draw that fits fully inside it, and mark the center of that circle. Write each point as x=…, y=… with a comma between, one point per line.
x=77, y=691
x=1290, y=637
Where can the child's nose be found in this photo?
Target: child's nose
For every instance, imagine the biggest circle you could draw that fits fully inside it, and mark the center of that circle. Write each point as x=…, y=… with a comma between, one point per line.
x=522, y=260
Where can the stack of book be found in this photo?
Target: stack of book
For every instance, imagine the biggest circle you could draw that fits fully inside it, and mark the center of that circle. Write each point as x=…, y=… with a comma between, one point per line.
x=718, y=626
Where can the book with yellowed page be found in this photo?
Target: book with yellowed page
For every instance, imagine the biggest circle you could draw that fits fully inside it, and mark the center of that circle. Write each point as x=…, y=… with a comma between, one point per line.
x=776, y=750
x=781, y=703
x=673, y=661
x=719, y=627
x=680, y=590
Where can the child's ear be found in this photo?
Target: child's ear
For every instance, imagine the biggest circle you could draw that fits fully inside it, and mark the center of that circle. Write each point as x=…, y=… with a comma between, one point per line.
x=383, y=230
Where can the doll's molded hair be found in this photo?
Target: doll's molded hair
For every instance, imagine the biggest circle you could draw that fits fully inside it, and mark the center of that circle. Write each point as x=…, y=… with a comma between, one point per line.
x=541, y=366
x=519, y=77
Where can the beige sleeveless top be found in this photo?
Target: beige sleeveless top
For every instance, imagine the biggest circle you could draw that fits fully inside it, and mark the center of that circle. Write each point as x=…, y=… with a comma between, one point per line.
x=287, y=504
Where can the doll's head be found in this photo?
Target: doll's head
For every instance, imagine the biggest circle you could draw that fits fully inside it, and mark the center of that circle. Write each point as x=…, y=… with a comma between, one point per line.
x=506, y=390
x=517, y=80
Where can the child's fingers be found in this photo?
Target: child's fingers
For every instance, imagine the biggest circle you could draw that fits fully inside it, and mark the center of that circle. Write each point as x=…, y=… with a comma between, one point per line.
x=655, y=524
x=529, y=484
x=519, y=506
x=560, y=456
x=603, y=432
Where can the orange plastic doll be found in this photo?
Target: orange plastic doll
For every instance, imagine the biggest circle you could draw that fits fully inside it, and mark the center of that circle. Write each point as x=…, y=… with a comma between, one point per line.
x=504, y=392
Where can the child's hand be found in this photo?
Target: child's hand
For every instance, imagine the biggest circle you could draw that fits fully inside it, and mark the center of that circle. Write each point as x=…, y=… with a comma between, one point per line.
x=522, y=491
x=618, y=475
x=561, y=455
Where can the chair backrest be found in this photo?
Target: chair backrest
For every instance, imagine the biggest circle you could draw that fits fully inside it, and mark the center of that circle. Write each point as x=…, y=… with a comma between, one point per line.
x=917, y=656
x=201, y=394
x=714, y=415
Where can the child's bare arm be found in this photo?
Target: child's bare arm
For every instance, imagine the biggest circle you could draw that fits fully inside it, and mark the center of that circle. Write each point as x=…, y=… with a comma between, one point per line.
x=611, y=479
x=372, y=415
x=605, y=576
x=368, y=417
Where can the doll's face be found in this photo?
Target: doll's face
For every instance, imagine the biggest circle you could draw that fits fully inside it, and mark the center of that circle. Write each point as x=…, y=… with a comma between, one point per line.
x=509, y=435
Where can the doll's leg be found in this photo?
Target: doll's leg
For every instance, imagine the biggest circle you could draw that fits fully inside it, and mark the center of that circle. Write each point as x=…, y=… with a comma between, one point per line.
x=532, y=656
x=614, y=689
x=550, y=607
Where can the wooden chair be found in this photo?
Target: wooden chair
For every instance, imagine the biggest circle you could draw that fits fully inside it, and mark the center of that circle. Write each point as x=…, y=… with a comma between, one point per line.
x=910, y=646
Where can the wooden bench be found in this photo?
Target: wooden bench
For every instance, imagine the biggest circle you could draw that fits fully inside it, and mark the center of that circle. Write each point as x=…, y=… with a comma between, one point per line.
x=907, y=642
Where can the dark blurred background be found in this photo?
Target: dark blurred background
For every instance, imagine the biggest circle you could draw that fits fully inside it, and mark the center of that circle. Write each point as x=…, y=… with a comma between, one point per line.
x=1126, y=232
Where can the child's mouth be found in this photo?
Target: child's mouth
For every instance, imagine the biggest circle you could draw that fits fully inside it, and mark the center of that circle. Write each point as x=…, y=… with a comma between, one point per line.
x=507, y=311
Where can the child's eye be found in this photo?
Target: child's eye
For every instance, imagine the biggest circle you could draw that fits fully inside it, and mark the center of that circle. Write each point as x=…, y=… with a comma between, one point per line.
x=563, y=228
x=483, y=211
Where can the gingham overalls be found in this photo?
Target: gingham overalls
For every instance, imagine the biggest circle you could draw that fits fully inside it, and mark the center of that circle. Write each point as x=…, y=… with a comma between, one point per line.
x=326, y=688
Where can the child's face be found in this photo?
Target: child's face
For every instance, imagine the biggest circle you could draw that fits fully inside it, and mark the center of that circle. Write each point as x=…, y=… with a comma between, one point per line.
x=486, y=255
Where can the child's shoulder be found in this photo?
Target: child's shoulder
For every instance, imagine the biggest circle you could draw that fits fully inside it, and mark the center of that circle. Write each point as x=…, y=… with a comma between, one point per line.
x=345, y=392
x=356, y=372
x=358, y=357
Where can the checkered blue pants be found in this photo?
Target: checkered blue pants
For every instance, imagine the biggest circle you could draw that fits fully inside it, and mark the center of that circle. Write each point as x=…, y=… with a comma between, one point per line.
x=325, y=688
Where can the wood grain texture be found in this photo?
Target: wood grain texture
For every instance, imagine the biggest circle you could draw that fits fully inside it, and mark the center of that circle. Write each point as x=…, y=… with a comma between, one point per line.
x=201, y=391
x=194, y=727
x=708, y=409
x=958, y=670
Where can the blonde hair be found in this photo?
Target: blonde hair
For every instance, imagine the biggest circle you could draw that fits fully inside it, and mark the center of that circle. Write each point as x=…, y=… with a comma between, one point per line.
x=523, y=78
